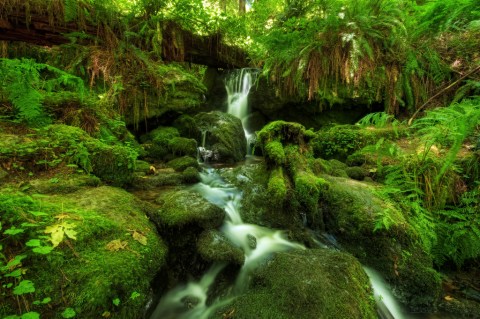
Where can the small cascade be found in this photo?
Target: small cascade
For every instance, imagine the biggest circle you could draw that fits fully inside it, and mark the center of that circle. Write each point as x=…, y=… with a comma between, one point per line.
x=258, y=243
x=238, y=85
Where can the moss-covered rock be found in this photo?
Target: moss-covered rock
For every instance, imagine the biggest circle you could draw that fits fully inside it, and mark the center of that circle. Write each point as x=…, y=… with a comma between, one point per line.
x=142, y=166
x=376, y=231
x=307, y=284
x=191, y=175
x=356, y=173
x=183, y=146
x=180, y=207
x=109, y=250
x=215, y=246
x=162, y=177
x=182, y=163
x=62, y=184
x=274, y=152
x=277, y=189
x=225, y=135
x=340, y=141
x=59, y=144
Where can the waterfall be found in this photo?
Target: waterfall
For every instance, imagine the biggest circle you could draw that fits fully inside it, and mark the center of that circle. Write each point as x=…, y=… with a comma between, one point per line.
x=238, y=85
x=258, y=243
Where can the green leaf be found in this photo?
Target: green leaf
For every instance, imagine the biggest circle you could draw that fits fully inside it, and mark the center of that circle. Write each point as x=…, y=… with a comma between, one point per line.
x=33, y=243
x=69, y=313
x=116, y=301
x=43, y=250
x=31, y=315
x=134, y=295
x=15, y=273
x=38, y=214
x=13, y=231
x=24, y=287
x=16, y=261
x=12, y=317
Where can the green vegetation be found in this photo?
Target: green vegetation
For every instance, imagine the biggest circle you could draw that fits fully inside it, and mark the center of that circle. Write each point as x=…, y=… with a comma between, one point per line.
x=99, y=98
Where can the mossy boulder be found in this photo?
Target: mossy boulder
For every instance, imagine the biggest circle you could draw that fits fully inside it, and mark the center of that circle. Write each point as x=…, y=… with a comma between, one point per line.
x=165, y=142
x=58, y=144
x=182, y=163
x=162, y=177
x=191, y=175
x=356, y=173
x=375, y=230
x=62, y=184
x=307, y=284
x=225, y=136
x=181, y=207
x=109, y=250
x=215, y=246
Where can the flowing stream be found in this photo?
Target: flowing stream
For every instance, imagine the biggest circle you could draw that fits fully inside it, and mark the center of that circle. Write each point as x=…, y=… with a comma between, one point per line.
x=258, y=243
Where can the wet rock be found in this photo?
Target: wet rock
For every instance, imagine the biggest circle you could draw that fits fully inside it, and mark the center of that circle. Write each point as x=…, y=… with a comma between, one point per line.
x=214, y=246
x=252, y=241
x=225, y=135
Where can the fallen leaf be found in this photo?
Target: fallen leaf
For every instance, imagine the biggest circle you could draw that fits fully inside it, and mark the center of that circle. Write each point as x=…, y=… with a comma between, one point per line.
x=116, y=245
x=61, y=216
x=449, y=298
x=140, y=238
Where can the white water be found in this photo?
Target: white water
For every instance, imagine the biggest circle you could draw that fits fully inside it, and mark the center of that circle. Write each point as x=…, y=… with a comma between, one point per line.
x=258, y=243
x=387, y=305
x=238, y=85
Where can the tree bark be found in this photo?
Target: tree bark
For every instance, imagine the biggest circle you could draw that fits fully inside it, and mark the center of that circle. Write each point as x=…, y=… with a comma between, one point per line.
x=242, y=6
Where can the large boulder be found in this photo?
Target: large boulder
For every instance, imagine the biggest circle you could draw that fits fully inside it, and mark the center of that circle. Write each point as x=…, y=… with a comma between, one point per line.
x=316, y=283
x=105, y=253
x=375, y=230
x=224, y=136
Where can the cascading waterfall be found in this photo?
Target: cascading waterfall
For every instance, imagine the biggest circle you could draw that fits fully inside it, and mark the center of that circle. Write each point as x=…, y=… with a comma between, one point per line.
x=238, y=85
x=258, y=243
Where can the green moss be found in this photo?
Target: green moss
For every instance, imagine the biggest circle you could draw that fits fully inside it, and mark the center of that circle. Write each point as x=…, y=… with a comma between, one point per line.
x=285, y=132
x=62, y=184
x=275, y=153
x=182, y=163
x=307, y=284
x=142, y=166
x=277, y=190
x=183, y=146
x=307, y=193
x=179, y=208
x=356, y=173
x=191, y=175
x=214, y=246
x=340, y=141
x=85, y=273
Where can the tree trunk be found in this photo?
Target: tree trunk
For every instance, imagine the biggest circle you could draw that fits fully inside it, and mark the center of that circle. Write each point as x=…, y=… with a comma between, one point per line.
x=242, y=6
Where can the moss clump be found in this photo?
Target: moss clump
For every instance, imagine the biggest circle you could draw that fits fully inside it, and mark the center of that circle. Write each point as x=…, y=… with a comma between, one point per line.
x=157, y=142
x=340, y=141
x=162, y=177
x=191, y=175
x=179, y=208
x=182, y=163
x=285, y=132
x=356, y=173
x=307, y=193
x=275, y=153
x=116, y=253
x=179, y=146
x=214, y=246
x=142, y=166
x=277, y=190
x=307, y=284
x=62, y=184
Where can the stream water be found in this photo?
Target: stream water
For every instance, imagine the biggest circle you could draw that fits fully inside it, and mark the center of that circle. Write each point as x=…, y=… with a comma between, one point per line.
x=258, y=243
x=190, y=300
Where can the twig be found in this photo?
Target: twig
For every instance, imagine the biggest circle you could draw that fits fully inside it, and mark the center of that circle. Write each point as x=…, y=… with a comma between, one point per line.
x=441, y=92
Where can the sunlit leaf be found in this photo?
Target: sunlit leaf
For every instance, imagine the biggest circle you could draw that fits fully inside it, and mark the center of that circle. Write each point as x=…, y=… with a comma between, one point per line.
x=31, y=315
x=116, y=245
x=16, y=261
x=33, y=243
x=13, y=231
x=15, y=273
x=116, y=301
x=140, y=238
x=69, y=313
x=43, y=250
x=24, y=287
x=134, y=295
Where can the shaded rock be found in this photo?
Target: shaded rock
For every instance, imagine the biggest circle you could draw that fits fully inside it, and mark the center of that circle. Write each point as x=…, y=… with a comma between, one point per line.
x=63, y=184
x=307, y=284
x=162, y=177
x=214, y=246
x=225, y=135
x=356, y=173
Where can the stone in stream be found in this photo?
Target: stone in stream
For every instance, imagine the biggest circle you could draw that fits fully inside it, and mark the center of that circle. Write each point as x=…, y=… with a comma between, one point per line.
x=214, y=246
x=305, y=284
x=225, y=135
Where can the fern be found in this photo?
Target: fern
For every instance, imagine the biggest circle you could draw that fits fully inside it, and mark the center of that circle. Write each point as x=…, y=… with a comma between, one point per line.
x=25, y=81
x=449, y=126
x=377, y=119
